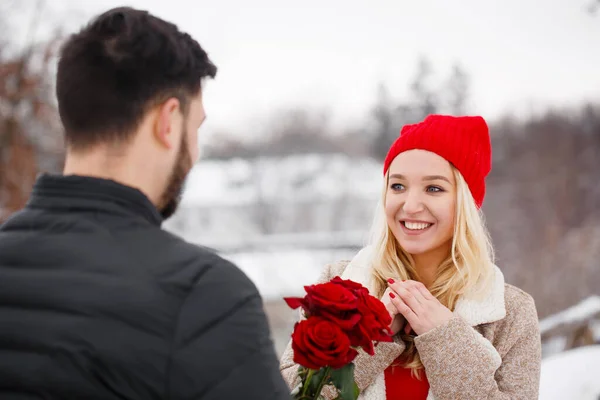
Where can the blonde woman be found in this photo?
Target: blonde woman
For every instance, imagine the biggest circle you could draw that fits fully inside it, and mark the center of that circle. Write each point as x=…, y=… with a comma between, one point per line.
x=460, y=332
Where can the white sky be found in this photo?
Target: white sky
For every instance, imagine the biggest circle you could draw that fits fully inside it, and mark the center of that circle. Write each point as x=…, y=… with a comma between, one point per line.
x=332, y=54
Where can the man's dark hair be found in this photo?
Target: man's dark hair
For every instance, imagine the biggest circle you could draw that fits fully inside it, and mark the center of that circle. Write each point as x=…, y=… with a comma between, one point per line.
x=117, y=67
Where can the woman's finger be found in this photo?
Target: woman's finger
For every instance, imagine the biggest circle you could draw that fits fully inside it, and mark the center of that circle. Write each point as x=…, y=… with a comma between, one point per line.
x=387, y=302
x=400, y=290
x=404, y=309
x=411, y=300
x=391, y=308
x=422, y=289
x=415, y=288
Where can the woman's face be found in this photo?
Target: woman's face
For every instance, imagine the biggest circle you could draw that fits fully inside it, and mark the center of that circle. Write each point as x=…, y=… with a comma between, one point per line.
x=420, y=202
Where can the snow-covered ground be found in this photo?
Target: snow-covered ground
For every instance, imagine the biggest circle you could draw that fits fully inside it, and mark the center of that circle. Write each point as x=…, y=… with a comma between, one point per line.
x=227, y=203
x=572, y=375
x=577, y=313
x=291, y=178
x=284, y=273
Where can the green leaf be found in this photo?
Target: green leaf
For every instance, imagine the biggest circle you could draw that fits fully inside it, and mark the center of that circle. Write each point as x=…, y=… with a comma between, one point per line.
x=315, y=381
x=343, y=379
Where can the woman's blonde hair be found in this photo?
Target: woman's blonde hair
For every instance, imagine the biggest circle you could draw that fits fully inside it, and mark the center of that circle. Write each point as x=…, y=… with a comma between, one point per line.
x=469, y=267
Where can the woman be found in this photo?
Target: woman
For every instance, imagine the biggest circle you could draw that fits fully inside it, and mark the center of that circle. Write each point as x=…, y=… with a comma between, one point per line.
x=460, y=332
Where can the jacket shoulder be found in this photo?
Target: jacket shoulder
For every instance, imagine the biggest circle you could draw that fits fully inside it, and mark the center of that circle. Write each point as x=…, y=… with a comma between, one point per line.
x=332, y=270
x=197, y=266
x=177, y=245
x=518, y=301
x=521, y=315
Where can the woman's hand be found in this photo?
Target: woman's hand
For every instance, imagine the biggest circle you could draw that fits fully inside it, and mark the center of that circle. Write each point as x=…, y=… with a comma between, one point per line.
x=420, y=308
x=398, y=320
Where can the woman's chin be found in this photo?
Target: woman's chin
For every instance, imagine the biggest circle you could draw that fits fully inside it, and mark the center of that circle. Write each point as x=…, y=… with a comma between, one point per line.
x=415, y=250
x=419, y=246
x=425, y=247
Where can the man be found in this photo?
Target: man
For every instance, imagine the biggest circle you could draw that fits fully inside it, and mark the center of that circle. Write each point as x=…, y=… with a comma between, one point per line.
x=96, y=300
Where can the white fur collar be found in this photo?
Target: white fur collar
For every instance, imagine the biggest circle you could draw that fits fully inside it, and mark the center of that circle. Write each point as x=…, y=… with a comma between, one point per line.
x=474, y=311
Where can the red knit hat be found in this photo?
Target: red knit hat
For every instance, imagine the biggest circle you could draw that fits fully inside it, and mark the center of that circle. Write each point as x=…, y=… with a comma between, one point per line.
x=462, y=141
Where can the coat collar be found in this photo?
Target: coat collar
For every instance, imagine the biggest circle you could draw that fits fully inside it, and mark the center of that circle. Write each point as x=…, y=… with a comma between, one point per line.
x=73, y=193
x=474, y=310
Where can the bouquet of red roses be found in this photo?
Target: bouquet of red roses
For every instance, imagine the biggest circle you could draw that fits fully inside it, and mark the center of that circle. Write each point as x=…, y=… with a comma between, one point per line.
x=341, y=317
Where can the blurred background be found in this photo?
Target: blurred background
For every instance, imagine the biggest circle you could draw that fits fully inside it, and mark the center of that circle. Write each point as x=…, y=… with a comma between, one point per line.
x=309, y=96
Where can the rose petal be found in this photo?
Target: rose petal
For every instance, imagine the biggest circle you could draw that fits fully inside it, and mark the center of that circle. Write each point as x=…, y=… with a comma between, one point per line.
x=293, y=302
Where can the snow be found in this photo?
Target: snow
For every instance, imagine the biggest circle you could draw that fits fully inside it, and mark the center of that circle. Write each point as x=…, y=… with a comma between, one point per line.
x=264, y=245
x=292, y=178
x=285, y=273
x=219, y=183
x=553, y=345
x=586, y=310
x=580, y=312
x=231, y=204
x=573, y=374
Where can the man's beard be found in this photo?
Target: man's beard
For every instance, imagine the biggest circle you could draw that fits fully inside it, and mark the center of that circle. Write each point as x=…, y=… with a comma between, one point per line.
x=176, y=185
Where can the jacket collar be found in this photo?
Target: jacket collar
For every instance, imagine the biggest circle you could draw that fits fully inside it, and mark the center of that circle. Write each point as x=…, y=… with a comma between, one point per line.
x=88, y=194
x=473, y=309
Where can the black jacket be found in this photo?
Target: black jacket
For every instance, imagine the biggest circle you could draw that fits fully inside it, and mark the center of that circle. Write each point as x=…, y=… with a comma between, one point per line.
x=98, y=302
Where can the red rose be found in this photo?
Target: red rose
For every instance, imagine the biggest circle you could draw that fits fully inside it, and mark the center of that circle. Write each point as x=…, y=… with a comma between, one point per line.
x=318, y=343
x=331, y=301
x=350, y=285
x=370, y=305
x=373, y=325
x=331, y=297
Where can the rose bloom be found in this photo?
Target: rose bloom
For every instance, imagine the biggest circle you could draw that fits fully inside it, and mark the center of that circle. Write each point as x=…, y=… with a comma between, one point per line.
x=318, y=342
x=373, y=325
x=332, y=301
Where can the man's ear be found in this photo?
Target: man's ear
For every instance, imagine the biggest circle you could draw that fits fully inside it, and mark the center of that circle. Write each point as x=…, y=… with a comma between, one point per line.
x=168, y=123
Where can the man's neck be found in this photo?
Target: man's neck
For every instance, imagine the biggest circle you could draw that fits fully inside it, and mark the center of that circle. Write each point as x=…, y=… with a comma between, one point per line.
x=98, y=165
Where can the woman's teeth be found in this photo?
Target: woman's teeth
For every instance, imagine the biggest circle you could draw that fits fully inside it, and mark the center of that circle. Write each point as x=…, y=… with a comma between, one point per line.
x=416, y=226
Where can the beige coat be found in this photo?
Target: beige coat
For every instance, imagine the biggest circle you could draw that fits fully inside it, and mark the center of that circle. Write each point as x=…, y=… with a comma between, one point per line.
x=490, y=349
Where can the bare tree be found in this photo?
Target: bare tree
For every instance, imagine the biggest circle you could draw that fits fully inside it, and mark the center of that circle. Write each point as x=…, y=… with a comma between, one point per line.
x=29, y=129
x=457, y=91
x=593, y=7
x=383, y=118
x=543, y=206
x=424, y=96
x=389, y=117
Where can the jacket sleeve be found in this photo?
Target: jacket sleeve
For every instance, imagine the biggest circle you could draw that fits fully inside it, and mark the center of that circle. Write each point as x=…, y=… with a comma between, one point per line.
x=367, y=367
x=222, y=348
x=461, y=363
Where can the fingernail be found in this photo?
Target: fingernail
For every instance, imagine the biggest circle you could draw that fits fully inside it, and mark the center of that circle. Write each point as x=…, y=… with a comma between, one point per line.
x=392, y=295
x=390, y=280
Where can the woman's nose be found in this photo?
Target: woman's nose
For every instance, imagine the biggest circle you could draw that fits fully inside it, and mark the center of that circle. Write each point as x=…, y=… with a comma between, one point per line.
x=413, y=203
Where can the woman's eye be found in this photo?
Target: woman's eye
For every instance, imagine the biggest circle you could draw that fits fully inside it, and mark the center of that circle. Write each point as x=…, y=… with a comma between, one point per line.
x=396, y=186
x=433, y=189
